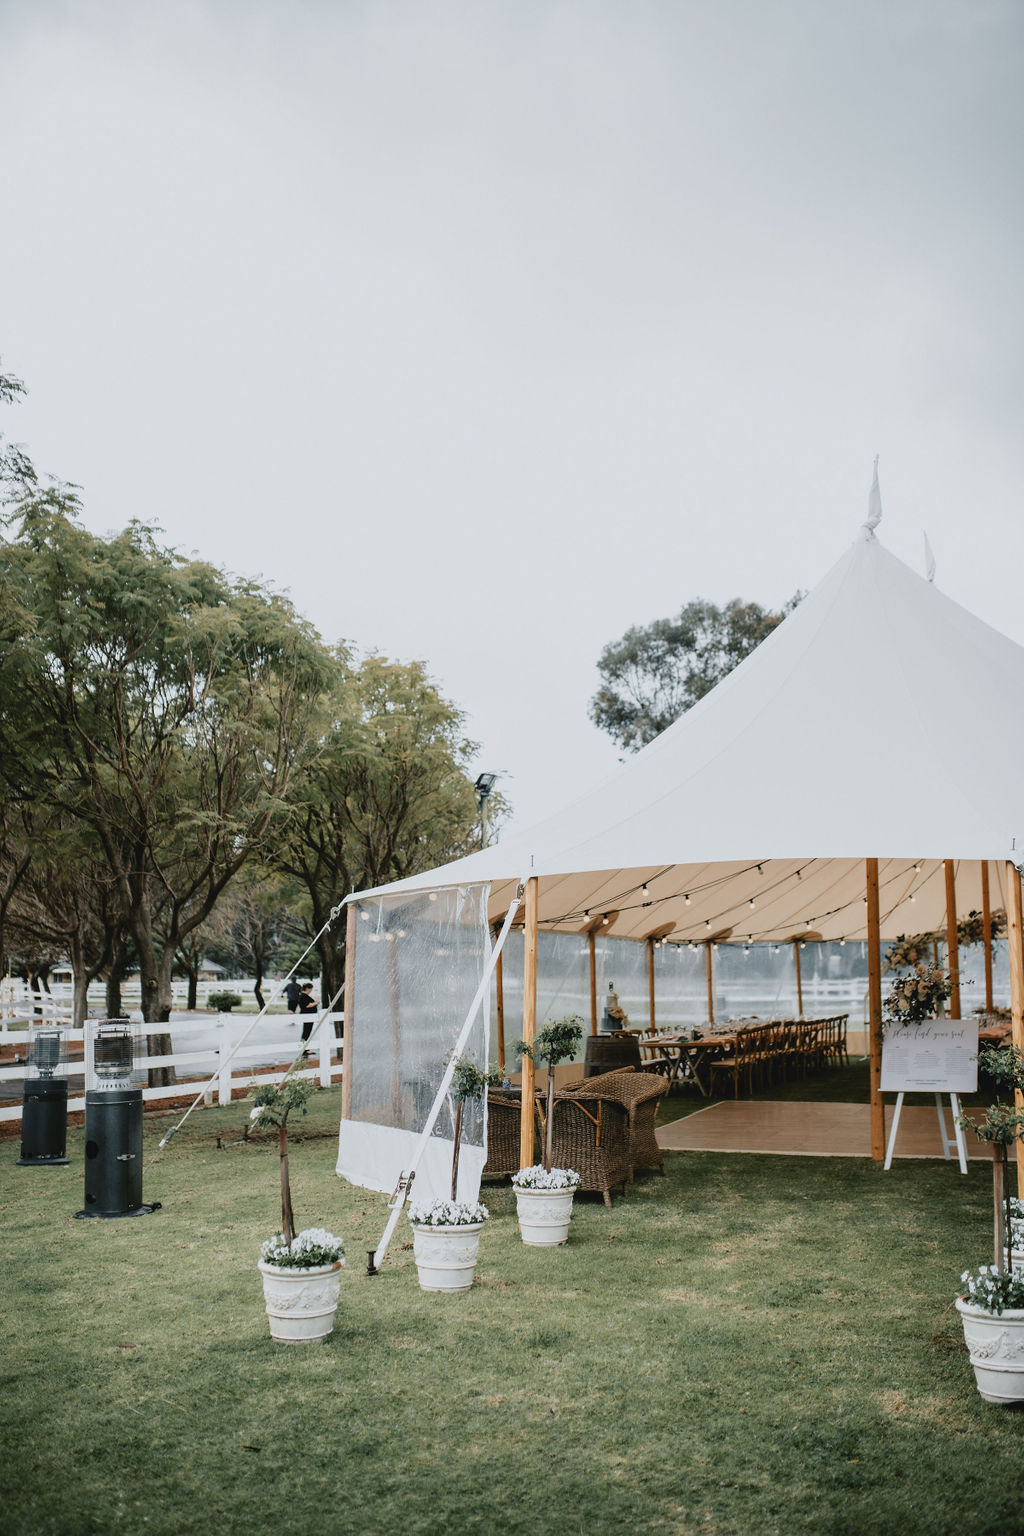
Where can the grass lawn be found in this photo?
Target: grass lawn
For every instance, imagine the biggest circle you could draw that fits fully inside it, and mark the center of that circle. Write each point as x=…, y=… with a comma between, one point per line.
x=752, y=1345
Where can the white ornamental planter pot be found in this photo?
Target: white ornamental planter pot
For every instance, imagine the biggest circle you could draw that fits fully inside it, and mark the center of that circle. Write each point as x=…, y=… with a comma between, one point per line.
x=996, y=1344
x=446, y=1256
x=301, y=1303
x=544, y=1216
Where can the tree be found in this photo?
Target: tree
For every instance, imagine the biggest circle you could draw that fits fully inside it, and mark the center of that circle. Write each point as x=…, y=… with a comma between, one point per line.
x=256, y=917
x=165, y=706
x=17, y=474
x=66, y=902
x=388, y=795
x=655, y=673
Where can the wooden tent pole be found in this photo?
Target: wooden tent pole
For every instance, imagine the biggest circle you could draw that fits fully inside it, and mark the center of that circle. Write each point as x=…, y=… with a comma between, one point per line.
x=952, y=941
x=652, y=939
x=529, y=1022
x=711, y=985
x=986, y=919
x=1015, y=937
x=592, y=941
x=350, y=999
x=875, y=1011
x=650, y=985
x=799, y=980
x=499, y=1004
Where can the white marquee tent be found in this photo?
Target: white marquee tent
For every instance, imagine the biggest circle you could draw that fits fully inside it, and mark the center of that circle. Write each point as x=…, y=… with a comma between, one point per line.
x=859, y=775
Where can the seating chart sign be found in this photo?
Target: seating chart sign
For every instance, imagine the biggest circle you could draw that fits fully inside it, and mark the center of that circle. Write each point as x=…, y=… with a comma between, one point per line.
x=936, y=1056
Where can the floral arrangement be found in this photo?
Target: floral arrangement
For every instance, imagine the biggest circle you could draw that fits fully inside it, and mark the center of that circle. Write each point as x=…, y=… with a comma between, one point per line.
x=446, y=1213
x=914, y=998
x=539, y=1177
x=971, y=929
x=308, y=1249
x=993, y=1289
x=907, y=950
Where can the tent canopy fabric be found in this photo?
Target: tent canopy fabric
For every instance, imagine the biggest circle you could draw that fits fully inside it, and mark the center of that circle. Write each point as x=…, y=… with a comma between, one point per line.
x=880, y=719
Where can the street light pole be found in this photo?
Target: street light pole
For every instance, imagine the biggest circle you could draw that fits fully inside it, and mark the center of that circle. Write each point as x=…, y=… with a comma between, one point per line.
x=484, y=784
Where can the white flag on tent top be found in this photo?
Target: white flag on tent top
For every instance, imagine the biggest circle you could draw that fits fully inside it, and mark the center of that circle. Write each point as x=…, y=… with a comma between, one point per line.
x=874, y=502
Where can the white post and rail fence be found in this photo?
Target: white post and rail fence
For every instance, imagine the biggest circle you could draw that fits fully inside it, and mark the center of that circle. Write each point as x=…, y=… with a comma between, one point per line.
x=264, y=1058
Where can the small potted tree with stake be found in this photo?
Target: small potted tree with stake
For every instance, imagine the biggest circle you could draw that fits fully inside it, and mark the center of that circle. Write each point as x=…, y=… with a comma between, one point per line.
x=544, y=1195
x=992, y=1310
x=301, y=1271
x=446, y=1233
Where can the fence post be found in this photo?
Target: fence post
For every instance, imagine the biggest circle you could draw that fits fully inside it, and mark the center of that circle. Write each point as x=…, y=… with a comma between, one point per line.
x=224, y=1065
x=326, y=1042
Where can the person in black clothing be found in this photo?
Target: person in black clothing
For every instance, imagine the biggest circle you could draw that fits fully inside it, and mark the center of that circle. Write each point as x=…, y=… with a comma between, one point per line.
x=307, y=1005
x=292, y=994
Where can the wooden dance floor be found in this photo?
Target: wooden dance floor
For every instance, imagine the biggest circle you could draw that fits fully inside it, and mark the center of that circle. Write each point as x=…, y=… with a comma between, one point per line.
x=807, y=1130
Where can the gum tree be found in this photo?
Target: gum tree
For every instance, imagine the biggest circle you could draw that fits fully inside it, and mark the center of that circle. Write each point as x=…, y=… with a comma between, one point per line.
x=163, y=705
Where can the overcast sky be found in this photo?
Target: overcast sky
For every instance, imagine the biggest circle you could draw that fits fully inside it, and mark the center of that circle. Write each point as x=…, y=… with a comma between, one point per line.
x=490, y=329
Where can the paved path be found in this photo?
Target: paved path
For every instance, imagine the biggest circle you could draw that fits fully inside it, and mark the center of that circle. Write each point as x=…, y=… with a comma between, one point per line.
x=805, y=1130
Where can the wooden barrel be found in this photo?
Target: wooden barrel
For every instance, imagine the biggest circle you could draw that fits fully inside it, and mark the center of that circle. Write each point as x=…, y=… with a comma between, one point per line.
x=610, y=1053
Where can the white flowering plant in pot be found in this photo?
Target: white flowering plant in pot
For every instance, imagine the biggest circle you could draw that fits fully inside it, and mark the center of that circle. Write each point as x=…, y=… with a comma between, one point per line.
x=446, y=1233
x=447, y=1213
x=544, y=1195
x=310, y=1249
x=301, y=1283
x=539, y=1177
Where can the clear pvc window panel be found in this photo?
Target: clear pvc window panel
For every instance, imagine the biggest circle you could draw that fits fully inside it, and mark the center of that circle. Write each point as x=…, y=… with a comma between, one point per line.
x=417, y=965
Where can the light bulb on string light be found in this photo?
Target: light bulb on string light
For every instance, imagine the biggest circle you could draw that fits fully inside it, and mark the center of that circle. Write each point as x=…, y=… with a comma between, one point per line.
x=686, y=901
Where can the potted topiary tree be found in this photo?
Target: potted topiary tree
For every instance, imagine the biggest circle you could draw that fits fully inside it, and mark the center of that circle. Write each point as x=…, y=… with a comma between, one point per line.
x=446, y=1233
x=544, y=1195
x=992, y=1309
x=301, y=1271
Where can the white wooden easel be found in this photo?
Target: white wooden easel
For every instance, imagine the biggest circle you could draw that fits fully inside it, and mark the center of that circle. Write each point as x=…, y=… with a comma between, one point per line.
x=957, y=1140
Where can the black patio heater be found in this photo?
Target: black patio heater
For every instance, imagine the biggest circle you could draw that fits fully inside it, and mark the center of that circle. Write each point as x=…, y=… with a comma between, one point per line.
x=44, y=1100
x=113, y=1126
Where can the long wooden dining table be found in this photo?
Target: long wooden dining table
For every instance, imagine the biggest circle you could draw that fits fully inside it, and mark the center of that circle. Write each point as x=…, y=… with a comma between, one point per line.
x=688, y=1059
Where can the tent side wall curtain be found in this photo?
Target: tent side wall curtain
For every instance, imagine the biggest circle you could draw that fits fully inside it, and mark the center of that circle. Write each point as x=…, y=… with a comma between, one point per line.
x=499, y=1005
x=420, y=959
x=350, y=1010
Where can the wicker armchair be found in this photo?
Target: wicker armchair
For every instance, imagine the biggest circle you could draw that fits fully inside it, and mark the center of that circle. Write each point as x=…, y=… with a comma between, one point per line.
x=503, y=1129
x=639, y=1093
x=591, y=1134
